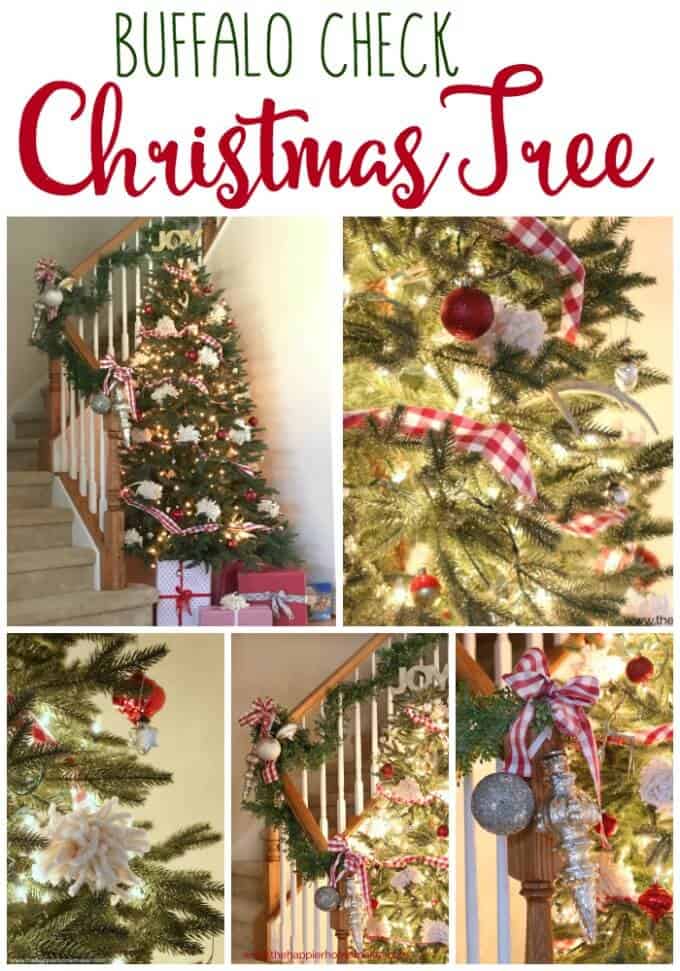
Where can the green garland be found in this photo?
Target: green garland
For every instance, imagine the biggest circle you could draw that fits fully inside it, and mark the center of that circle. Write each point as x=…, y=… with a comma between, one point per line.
x=86, y=299
x=483, y=722
x=310, y=748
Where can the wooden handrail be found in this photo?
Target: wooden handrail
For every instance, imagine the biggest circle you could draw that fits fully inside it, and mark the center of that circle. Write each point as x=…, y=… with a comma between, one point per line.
x=303, y=814
x=471, y=673
x=338, y=676
x=110, y=246
x=79, y=345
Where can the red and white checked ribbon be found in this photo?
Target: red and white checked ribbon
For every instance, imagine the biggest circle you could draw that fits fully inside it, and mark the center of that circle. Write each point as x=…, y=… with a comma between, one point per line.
x=198, y=384
x=403, y=800
x=500, y=444
x=262, y=712
x=652, y=736
x=117, y=374
x=168, y=524
x=530, y=680
x=347, y=862
x=418, y=718
x=279, y=599
x=45, y=272
x=397, y=862
x=212, y=342
x=592, y=523
x=182, y=596
x=532, y=235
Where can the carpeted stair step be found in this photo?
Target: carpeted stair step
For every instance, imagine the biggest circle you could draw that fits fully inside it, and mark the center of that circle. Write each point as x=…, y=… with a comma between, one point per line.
x=22, y=454
x=38, y=528
x=62, y=570
x=28, y=489
x=94, y=608
x=28, y=424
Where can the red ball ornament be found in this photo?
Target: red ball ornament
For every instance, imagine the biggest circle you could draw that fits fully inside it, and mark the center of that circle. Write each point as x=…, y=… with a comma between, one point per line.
x=250, y=495
x=252, y=421
x=644, y=557
x=424, y=587
x=147, y=309
x=387, y=771
x=232, y=543
x=191, y=355
x=607, y=826
x=222, y=434
x=655, y=902
x=443, y=831
x=207, y=289
x=639, y=670
x=136, y=704
x=375, y=903
x=467, y=313
x=177, y=514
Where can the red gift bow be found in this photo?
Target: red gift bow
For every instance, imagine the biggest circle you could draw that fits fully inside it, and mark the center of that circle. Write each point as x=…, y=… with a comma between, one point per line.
x=533, y=236
x=262, y=712
x=499, y=443
x=116, y=373
x=347, y=862
x=182, y=597
x=530, y=680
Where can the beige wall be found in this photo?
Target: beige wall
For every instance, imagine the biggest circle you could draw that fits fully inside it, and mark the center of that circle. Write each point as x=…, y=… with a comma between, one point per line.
x=286, y=667
x=68, y=241
x=279, y=278
x=191, y=736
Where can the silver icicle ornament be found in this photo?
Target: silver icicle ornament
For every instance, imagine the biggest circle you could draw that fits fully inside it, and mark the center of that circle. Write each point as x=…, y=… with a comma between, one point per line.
x=503, y=803
x=354, y=904
x=626, y=376
x=569, y=815
x=121, y=406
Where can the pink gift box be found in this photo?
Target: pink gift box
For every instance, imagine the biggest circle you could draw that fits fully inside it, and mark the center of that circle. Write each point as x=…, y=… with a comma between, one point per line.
x=256, y=616
x=283, y=590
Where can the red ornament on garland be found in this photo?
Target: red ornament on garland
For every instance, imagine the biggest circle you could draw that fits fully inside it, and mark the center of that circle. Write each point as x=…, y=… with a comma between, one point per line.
x=191, y=355
x=387, y=771
x=467, y=313
x=443, y=831
x=222, y=434
x=639, y=670
x=375, y=903
x=607, y=826
x=252, y=421
x=424, y=587
x=136, y=704
x=250, y=495
x=147, y=309
x=177, y=514
x=655, y=902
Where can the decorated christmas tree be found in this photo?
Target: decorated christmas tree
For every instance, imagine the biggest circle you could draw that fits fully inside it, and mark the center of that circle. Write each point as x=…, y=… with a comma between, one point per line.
x=633, y=722
x=406, y=836
x=86, y=883
x=192, y=476
x=491, y=473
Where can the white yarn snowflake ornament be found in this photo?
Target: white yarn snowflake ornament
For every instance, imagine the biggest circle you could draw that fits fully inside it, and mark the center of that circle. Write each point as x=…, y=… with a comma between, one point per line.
x=164, y=391
x=404, y=878
x=434, y=932
x=132, y=537
x=208, y=508
x=188, y=434
x=647, y=606
x=217, y=314
x=166, y=327
x=240, y=433
x=91, y=847
x=515, y=326
x=269, y=507
x=615, y=879
x=656, y=785
x=208, y=357
x=150, y=490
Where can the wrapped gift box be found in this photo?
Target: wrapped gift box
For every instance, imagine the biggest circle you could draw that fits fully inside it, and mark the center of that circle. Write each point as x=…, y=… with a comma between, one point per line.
x=284, y=591
x=320, y=601
x=259, y=615
x=182, y=591
x=225, y=580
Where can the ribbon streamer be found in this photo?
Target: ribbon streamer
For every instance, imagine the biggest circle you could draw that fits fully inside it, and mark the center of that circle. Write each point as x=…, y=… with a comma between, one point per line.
x=166, y=522
x=592, y=523
x=348, y=862
x=280, y=600
x=397, y=862
x=530, y=680
x=117, y=374
x=403, y=801
x=418, y=718
x=499, y=443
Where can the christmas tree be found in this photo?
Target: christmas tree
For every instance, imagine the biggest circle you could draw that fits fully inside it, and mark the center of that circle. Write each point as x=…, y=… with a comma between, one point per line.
x=86, y=883
x=486, y=482
x=406, y=836
x=192, y=476
x=635, y=716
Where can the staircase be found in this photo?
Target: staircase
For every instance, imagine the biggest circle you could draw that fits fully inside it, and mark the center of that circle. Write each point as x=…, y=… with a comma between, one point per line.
x=246, y=907
x=49, y=580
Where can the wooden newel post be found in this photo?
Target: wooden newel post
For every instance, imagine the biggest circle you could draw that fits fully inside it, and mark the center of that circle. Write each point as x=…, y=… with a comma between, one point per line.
x=532, y=860
x=113, y=575
x=264, y=946
x=340, y=925
x=52, y=424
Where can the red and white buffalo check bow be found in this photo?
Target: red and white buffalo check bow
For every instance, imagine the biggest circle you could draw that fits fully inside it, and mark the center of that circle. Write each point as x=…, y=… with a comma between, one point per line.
x=530, y=680
x=592, y=523
x=262, y=712
x=500, y=444
x=347, y=862
x=532, y=235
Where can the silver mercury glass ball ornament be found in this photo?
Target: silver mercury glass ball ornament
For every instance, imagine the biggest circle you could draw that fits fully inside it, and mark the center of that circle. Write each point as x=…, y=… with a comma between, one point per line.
x=100, y=403
x=619, y=494
x=327, y=898
x=52, y=297
x=503, y=803
x=626, y=376
x=267, y=749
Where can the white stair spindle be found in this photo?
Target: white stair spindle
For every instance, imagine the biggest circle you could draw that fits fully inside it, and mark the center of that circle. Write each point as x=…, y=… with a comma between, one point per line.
x=283, y=908
x=306, y=886
x=125, y=336
x=535, y=639
x=103, y=501
x=373, y=781
x=502, y=664
x=110, y=346
x=138, y=292
x=436, y=661
x=61, y=460
x=82, y=470
x=341, y=804
x=72, y=435
x=317, y=927
x=292, y=942
x=471, y=894
x=93, y=429
x=323, y=793
x=358, y=767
